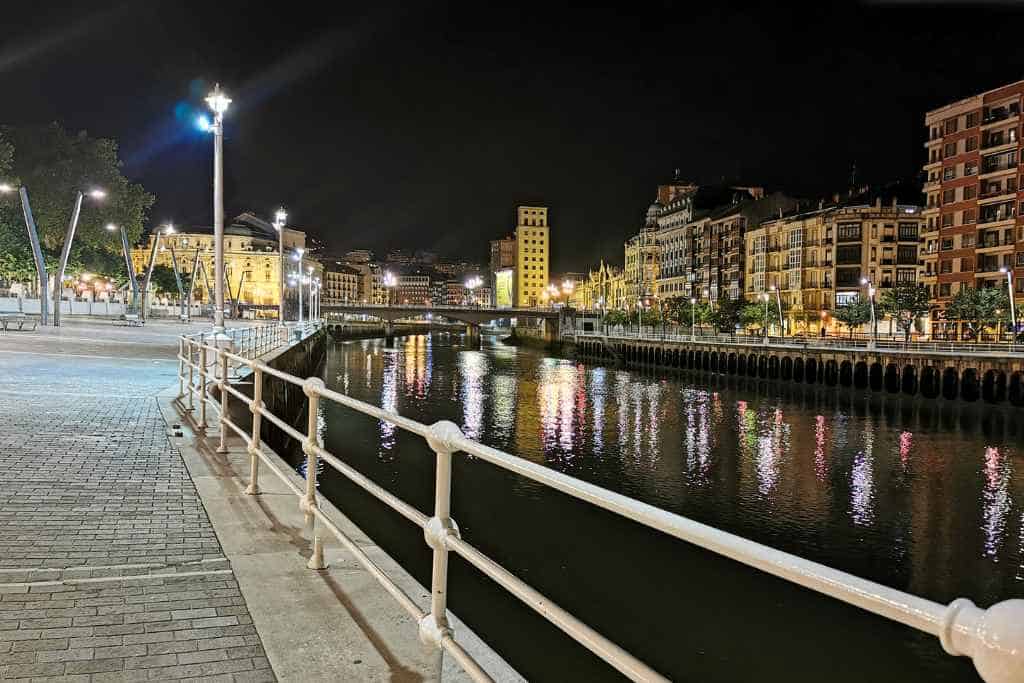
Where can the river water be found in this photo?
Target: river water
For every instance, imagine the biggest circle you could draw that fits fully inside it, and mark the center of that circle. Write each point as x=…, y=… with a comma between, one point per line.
x=924, y=496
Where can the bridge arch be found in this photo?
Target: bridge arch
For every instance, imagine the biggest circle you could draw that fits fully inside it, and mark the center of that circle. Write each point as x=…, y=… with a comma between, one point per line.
x=860, y=375
x=993, y=386
x=786, y=368
x=1015, y=393
x=875, y=377
x=931, y=384
x=892, y=378
x=811, y=368
x=731, y=367
x=831, y=373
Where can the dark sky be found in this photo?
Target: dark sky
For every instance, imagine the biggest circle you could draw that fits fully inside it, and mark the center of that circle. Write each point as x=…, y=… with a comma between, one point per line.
x=423, y=125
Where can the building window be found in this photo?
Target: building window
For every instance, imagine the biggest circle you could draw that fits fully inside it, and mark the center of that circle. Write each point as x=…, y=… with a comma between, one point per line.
x=969, y=216
x=950, y=126
x=971, y=143
x=849, y=231
x=972, y=119
x=944, y=289
x=949, y=150
x=947, y=220
x=947, y=244
x=948, y=196
x=970, y=168
x=946, y=266
x=970, y=191
x=949, y=173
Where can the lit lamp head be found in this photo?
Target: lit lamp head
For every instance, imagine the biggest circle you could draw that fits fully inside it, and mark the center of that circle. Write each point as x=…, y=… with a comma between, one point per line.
x=280, y=217
x=6, y=188
x=218, y=102
x=111, y=227
x=169, y=229
x=97, y=193
x=1004, y=269
x=863, y=280
x=692, y=301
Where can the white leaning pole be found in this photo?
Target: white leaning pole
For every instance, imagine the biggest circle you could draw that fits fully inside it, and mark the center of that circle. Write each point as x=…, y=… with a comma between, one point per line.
x=218, y=103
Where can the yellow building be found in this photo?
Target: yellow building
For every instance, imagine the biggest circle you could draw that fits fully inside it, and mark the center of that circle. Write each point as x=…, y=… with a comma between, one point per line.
x=533, y=249
x=250, y=259
x=817, y=259
x=641, y=258
x=601, y=289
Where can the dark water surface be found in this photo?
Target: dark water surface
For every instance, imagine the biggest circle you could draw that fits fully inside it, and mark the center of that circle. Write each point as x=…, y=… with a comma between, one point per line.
x=925, y=496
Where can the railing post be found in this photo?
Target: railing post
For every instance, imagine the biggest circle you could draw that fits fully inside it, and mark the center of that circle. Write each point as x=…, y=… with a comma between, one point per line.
x=191, y=375
x=254, y=445
x=434, y=627
x=311, y=388
x=202, y=386
x=223, y=447
x=181, y=368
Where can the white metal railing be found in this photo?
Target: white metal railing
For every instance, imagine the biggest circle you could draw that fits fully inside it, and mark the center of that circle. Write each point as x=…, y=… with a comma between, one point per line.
x=809, y=343
x=993, y=637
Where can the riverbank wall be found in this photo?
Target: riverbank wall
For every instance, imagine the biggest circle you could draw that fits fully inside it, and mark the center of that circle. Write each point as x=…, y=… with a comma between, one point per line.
x=993, y=378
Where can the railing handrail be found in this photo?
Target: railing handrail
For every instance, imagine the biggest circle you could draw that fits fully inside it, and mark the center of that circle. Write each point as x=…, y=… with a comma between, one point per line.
x=993, y=638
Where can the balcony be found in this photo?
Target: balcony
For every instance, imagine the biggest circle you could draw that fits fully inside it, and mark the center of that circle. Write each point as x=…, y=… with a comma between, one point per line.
x=998, y=140
x=998, y=114
x=888, y=238
x=887, y=262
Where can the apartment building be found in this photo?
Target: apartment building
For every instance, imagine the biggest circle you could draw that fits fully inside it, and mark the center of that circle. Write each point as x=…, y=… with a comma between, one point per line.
x=973, y=203
x=340, y=285
x=641, y=260
x=532, y=251
x=817, y=259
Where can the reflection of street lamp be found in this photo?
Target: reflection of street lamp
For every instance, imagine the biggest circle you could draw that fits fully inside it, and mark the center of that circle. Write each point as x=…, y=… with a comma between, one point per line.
x=279, y=219
x=871, y=297
x=1013, y=308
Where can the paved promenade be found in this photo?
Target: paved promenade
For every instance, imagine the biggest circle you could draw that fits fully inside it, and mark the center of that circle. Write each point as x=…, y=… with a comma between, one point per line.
x=109, y=567
x=130, y=552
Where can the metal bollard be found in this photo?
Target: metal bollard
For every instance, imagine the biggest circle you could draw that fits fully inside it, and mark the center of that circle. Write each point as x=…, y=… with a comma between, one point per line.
x=223, y=447
x=434, y=627
x=254, y=446
x=311, y=388
x=202, y=388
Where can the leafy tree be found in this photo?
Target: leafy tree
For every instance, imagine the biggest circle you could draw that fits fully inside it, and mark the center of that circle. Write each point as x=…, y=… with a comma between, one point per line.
x=615, y=317
x=906, y=302
x=753, y=315
x=54, y=164
x=680, y=311
x=163, y=280
x=726, y=316
x=979, y=307
x=854, y=314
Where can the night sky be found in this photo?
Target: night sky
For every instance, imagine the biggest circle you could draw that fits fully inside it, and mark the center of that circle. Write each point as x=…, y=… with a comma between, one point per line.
x=423, y=125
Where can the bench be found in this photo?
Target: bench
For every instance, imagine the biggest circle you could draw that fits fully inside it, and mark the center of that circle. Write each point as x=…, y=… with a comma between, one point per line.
x=8, y=320
x=130, y=320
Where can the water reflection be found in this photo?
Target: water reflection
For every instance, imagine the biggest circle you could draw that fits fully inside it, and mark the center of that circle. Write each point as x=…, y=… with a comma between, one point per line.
x=875, y=484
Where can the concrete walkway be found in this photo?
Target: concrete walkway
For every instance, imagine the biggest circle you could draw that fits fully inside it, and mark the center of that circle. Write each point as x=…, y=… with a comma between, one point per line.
x=109, y=567
x=129, y=551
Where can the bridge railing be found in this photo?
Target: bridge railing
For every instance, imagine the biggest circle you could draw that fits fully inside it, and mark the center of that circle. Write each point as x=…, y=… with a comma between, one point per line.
x=993, y=638
x=810, y=343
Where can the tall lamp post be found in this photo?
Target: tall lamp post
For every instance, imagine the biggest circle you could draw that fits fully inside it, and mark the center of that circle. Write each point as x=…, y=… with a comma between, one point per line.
x=871, y=298
x=167, y=230
x=312, y=301
x=218, y=103
x=778, y=300
x=1013, y=308
x=129, y=266
x=765, y=298
x=390, y=282
x=58, y=276
x=279, y=219
x=693, y=319
x=471, y=284
x=37, y=252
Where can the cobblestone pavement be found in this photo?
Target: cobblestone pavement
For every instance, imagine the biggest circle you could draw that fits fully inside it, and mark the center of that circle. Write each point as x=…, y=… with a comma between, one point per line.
x=109, y=567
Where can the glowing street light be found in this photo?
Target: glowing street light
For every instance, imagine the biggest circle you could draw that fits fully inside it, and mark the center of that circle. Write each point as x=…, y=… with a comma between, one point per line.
x=472, y=284
x=871, y=297
x=693, y=319
x=389, y=282
x=62, y=264
x=218, y=102
x=279, y=220
x=765, y=298
x=128, y=265
x=1013, y=308
x=778, y=300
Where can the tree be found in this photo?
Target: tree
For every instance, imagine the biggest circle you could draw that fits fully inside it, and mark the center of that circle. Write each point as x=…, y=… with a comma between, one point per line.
x=615, y=317
x=53, y=165
x=906, y=302
x=979, y=307
x=854, y=314
x=726, y=316
x=164, y=280
x=753, y=315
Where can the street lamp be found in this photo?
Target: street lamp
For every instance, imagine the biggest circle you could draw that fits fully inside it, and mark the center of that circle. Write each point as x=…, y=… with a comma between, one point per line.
x=309, y=281
x=693, y=319
x=58, y=279
x=37, y=252
x=765, y=298
x=166, y=230
x=279, y=219
x=778, y=300
x=390, y=282
x=129, y=267
x=218, y=103
x=1013, y=309
x=871, y=297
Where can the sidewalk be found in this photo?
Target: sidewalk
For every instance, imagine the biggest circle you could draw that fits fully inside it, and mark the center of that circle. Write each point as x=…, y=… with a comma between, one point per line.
x=129, y=550
x=109, y=567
